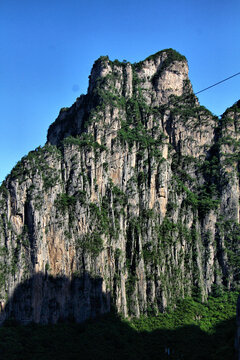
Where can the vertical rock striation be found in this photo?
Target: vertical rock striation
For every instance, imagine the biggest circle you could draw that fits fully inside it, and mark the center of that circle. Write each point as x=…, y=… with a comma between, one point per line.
x=135, y=196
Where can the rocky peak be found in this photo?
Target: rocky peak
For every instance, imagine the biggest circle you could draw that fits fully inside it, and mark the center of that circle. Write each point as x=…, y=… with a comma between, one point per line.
x=152, y=81
x=133, y=201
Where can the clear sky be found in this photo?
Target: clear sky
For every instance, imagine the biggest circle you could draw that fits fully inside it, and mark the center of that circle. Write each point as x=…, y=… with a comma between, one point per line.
x=47, y=48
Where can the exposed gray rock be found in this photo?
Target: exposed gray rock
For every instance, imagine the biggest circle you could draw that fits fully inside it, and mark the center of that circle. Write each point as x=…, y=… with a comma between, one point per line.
x=137, y=190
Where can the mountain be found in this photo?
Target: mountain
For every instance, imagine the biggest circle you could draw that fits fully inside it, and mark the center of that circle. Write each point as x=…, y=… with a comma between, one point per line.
x=133, y=202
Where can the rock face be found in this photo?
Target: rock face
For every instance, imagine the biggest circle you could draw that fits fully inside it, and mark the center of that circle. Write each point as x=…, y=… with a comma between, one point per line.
x=133, y=201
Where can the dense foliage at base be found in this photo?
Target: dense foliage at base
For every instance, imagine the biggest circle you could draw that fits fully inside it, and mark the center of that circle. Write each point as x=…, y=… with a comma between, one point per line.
x=192, y=331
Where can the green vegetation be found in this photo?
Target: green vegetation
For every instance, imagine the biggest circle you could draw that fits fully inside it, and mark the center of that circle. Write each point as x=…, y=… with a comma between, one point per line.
x=36, y=162
x=230, y=231
x=4, y=269
x=202, y=198
x=64, y=202
x=84, y=141
x=109, y=98
x=102, y=224
x=134, y=129
x=186, y=107
x=138, y=134
x=66, y=119
x=91, y=243
x=3, y=191
x=172, y=55
x=193, y=331
x=234, y=108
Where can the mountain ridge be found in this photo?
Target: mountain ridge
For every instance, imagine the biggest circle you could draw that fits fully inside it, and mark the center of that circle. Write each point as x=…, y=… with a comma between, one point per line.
x=137, y=185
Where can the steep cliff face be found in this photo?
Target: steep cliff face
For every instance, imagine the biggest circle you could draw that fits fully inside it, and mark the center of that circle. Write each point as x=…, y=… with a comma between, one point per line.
x=134, y=200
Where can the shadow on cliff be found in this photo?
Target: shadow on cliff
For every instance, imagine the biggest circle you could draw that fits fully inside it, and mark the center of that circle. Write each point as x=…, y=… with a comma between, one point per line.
x=47, y=300
x=66, y=305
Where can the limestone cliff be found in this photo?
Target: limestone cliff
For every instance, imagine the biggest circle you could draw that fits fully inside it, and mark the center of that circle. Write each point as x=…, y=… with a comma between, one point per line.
x=134, y=200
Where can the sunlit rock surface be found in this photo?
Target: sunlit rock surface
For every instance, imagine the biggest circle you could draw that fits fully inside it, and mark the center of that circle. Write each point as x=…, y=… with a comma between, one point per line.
x=133, y=201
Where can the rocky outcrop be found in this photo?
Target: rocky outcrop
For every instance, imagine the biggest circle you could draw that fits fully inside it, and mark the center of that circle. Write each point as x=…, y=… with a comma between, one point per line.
x=137, y=186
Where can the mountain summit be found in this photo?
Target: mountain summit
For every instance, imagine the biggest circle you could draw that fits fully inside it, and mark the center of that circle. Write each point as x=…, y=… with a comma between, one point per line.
x=133, y=201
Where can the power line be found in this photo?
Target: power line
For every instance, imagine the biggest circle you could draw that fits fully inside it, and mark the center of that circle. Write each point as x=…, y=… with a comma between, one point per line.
x=134, y=152
x=186, y=96
x=183, y=97
x=219, y=82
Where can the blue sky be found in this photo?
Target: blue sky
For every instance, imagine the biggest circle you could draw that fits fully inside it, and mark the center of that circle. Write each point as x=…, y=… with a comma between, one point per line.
x=48, y=48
